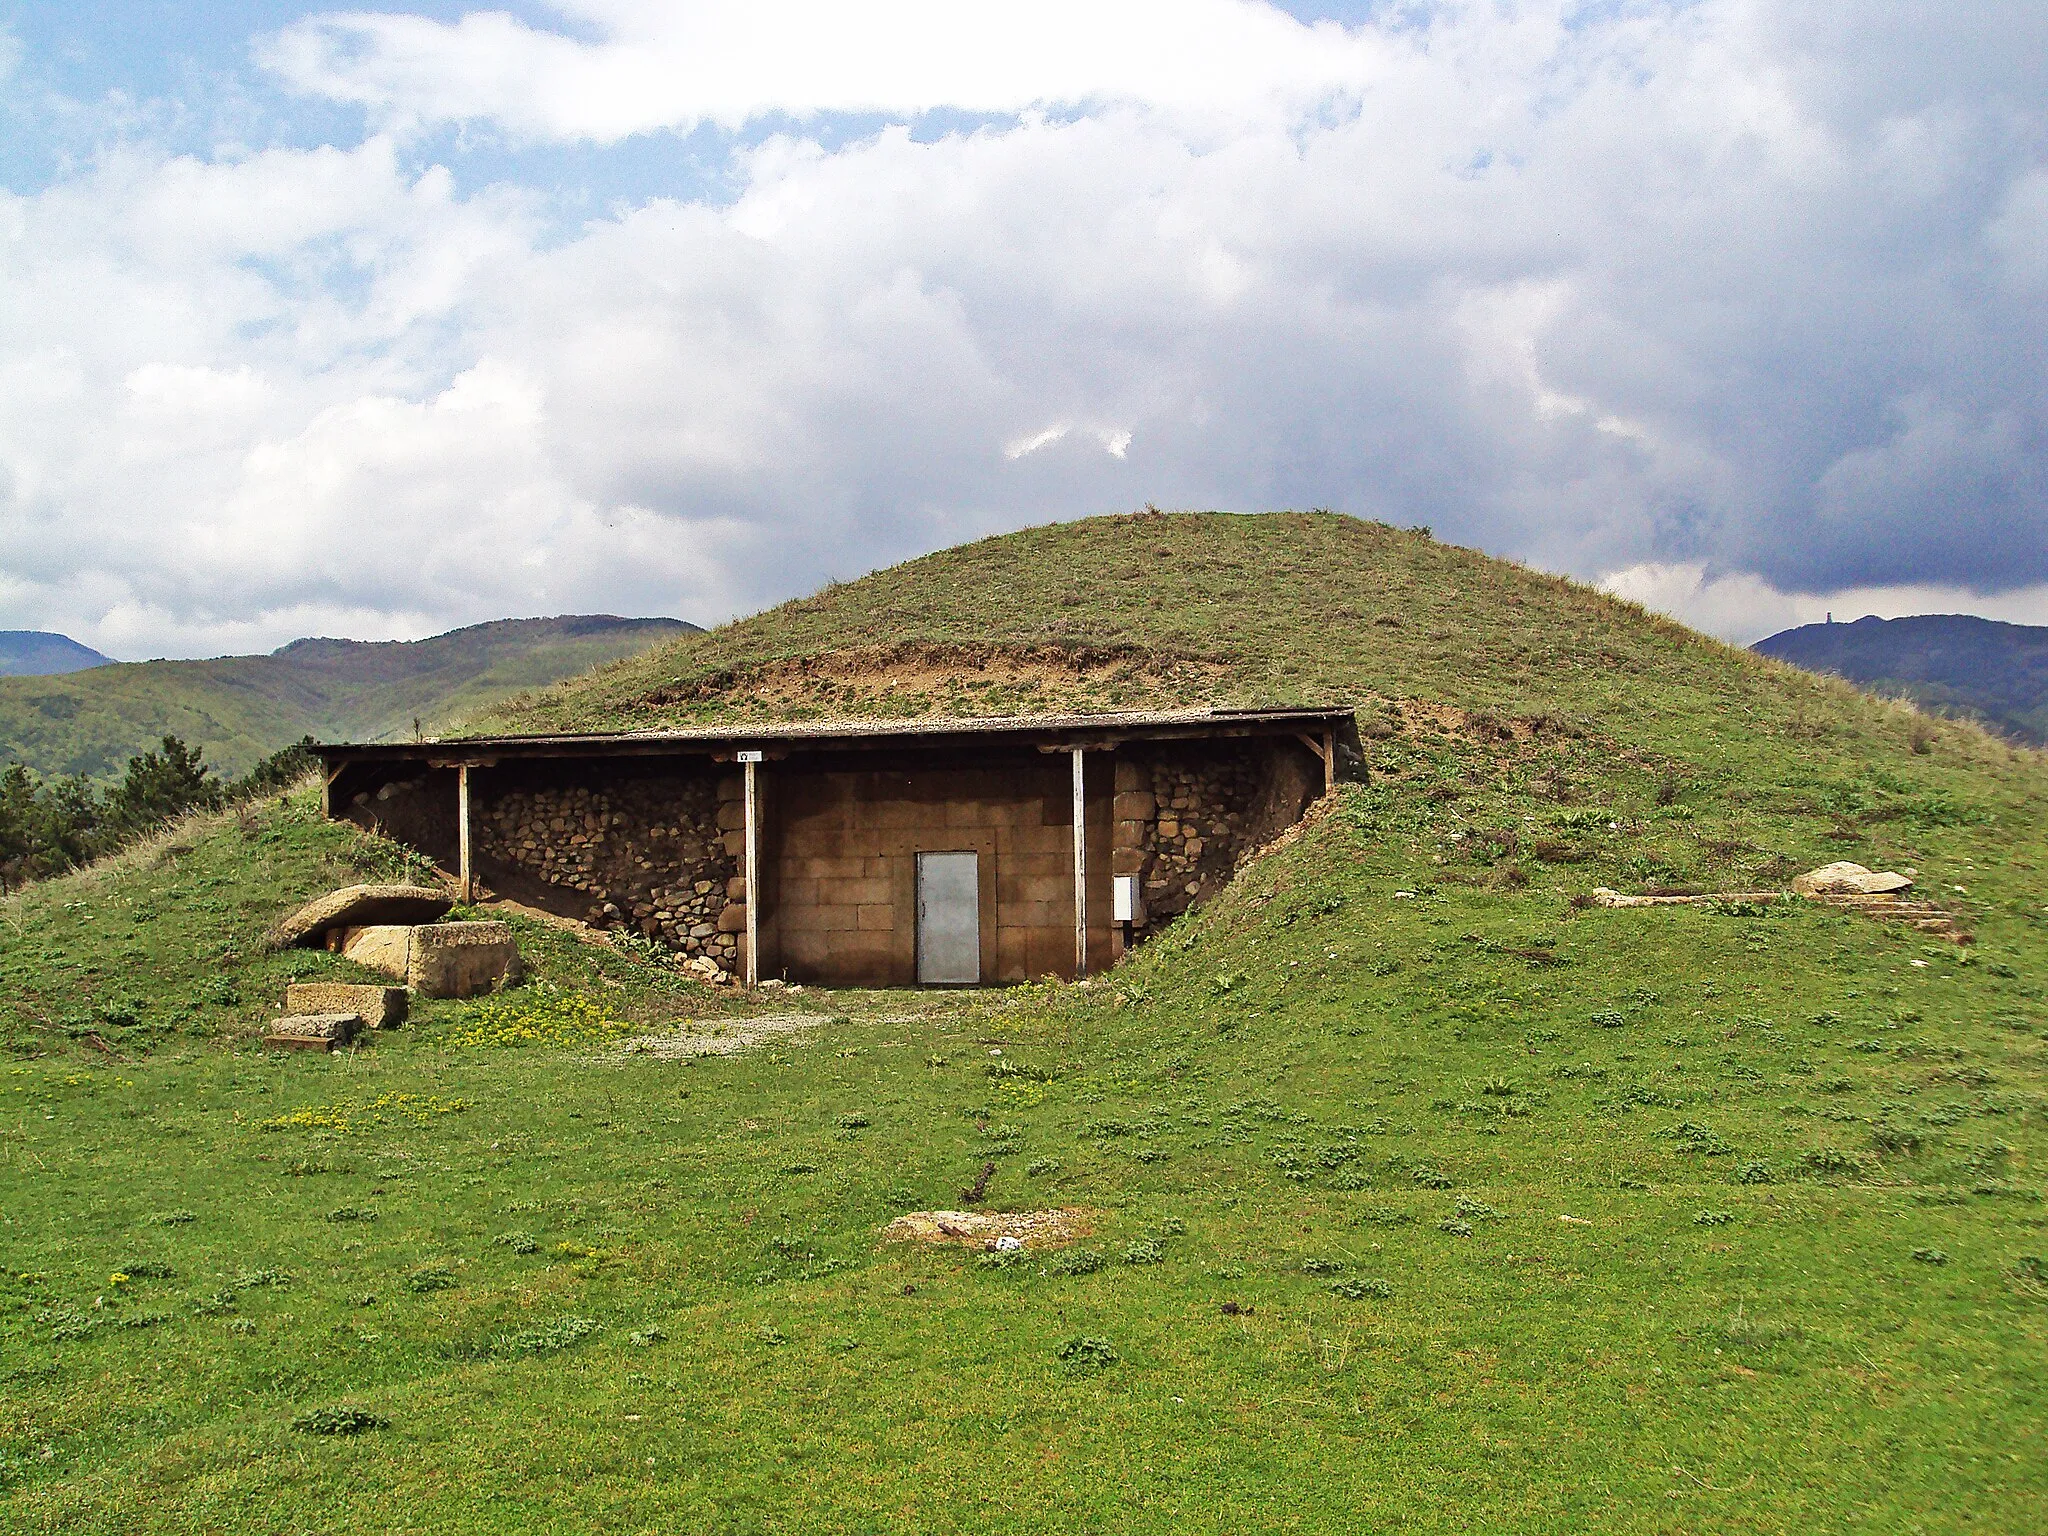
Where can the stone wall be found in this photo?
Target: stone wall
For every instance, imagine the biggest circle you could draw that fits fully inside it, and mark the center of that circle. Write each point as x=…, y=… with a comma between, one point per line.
x=1186, y=819
x=649, y=854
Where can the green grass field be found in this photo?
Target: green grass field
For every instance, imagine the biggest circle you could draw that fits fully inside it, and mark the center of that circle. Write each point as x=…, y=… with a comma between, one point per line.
x=1530, y=1217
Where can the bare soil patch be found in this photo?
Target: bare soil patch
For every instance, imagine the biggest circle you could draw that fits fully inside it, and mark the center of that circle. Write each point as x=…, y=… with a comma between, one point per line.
x=983, y=1229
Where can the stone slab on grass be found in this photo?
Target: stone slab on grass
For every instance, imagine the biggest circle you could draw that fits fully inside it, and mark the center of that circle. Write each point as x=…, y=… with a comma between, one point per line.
x=360, y=906
x=313, y=1031
x=1846, y=879
x=377, y=1007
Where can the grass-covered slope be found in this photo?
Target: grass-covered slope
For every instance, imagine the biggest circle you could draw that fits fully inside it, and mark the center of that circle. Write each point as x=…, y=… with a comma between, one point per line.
x=238, y=709
x=1424, y=1198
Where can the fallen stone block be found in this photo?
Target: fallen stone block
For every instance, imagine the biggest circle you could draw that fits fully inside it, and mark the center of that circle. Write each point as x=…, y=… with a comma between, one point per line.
x=360, y=906
x=377, y=1007
x=313, y=1031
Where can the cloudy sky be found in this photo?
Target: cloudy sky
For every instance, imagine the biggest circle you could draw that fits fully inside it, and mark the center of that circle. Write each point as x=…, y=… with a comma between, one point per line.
x=374, y=323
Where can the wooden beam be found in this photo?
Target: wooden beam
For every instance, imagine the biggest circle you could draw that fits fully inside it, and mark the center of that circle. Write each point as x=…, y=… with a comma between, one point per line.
x=751, y=971
x=1080, y=865
x=1325, y=750
x=466, y=876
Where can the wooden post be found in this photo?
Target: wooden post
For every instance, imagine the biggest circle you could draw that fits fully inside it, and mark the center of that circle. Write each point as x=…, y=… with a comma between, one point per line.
x=1329, y=762
x=467, y=876
x=1080, y=867
x=752, y=869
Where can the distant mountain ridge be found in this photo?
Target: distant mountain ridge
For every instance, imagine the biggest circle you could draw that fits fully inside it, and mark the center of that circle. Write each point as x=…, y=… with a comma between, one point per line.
x=41, y=653
x=1955, y=663
x=237, y=709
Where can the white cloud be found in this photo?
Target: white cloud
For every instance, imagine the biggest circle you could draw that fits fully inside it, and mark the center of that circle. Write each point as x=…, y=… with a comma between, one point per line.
x=673, y=64
x=1653, y=289
x=1744, y=608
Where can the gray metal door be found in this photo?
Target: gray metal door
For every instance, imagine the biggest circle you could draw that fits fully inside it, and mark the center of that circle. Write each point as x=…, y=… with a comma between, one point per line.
x=949, y=918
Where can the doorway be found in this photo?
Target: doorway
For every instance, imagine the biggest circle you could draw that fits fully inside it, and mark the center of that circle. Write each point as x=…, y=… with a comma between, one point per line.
x=948, y=919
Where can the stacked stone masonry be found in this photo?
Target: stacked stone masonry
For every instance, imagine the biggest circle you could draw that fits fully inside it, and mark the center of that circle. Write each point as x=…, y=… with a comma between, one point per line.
x=652, y=856
x=1183, y=825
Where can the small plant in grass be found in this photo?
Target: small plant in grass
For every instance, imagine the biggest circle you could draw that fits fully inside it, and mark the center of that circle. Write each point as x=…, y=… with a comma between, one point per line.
x=1476, y=1210
x=1076, y=1261
x=1323, y=1266
x=215, y=1305
x=1830, y=1160
x=177, y=1218
x=1084, y=1352
x=1358, y=1289
x=548, y=1339
x=147, y=1269
x=342, y=1420
x=570, y=1018
x=646, y=1338
x=1713, y=1219
x=518, y=1242
x=854, y=1121
x=352, y=1213
x=1699, y=1139
x=1145, y=1250
x=262, y=1279
x=1003, y=1259
x=1455, y=1227
x=1608, y=1018
x=1043, y=1167
x=1929, y=1256
x=434, y=1277
x=1756, y=1171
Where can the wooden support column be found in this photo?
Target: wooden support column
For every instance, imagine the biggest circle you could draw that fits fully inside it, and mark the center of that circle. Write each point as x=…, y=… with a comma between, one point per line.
x=1080, y=866
x=751, y=972
x=466, y=874
x=1329, y=762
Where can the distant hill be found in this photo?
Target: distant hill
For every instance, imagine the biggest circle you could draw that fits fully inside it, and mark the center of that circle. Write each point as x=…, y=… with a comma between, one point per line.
x=1951, y=662
x=238, y=708
x=38, y=653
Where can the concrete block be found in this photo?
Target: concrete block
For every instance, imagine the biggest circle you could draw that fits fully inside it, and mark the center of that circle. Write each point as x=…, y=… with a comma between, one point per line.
x=878, y=918
x=1136, y=805
x=377, y=1007
x=1127, y=861
x=732, y=918
x=735, y=845
x=855, y=893
x=1130, y=776
x=732, y=815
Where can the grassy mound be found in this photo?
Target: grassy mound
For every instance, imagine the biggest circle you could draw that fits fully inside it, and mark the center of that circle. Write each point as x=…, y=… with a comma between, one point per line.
x=1422, y=1196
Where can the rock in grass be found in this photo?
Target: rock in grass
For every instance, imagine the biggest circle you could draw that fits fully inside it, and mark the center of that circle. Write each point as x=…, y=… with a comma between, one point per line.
x=1846, y=879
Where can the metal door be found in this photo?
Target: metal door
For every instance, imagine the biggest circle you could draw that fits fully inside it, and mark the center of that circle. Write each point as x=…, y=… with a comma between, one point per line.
x=949, y=918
